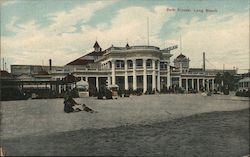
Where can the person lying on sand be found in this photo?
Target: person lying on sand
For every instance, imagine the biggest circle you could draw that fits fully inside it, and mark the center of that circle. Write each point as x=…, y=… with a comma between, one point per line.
x=87, y=109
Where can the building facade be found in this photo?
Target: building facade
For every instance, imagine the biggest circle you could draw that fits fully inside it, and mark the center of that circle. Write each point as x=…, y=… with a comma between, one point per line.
x=131, y=68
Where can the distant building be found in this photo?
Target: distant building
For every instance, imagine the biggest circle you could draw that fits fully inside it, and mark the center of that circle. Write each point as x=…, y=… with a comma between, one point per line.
x=244, y=84
x=17, y=70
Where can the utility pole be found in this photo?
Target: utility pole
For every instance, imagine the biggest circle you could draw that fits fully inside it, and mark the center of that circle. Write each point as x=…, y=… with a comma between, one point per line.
x=3, y=64
x=148, y=30
x=180, y=45
x=204, y=61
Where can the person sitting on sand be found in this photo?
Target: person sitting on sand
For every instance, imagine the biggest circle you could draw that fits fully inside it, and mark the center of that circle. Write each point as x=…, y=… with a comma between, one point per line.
x=70, y=105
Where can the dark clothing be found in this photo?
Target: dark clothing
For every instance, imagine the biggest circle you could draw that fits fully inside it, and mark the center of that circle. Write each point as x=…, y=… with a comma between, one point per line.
x=71, y=101
x=68, y=107
x=88, y=109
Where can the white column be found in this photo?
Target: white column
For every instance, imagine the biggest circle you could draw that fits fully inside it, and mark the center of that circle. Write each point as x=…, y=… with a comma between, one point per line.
x=86, y=79
x=153, y=75
x=97, y=83
x=158, y=77
x=192, y=83
x=207, y=84
x=212, y=84
x=134, y=75
x=144, y=76
x=113, y=72
x=126, y=74
x=60, y=90
x=186, y=84
x=198, y=84
x=180, y=81
x=168, y=77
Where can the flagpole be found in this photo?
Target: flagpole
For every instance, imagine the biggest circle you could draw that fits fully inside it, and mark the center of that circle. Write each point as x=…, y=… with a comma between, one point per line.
x=148, y=30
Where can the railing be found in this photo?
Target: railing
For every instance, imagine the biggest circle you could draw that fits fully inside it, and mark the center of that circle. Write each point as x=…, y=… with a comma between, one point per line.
x=139, y=67
x=144, y=47
x=120, y=68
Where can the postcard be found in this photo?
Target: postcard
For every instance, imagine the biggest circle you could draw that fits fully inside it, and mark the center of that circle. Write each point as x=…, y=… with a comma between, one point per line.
x=124, y=78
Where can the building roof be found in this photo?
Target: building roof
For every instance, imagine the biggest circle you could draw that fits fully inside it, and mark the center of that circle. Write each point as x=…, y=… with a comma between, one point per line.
x=181, y=56
x=80, y=61
x=195, y=69
x=71, y=78
x=88, y=58
x=127, y=45
x=96, y=45
x=246, y=79
x=42, y=72
x=95, y=53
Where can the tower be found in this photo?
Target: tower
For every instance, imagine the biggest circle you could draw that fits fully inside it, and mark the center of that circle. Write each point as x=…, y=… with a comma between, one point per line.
x=97, y=47
x=182, y=62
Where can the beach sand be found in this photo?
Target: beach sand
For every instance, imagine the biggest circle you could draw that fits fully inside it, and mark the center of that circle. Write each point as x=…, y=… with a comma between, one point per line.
x=208, y=134
x=159, y=125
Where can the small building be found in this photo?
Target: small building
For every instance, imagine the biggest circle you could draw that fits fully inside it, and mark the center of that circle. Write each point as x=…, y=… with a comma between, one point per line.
x=244, y=84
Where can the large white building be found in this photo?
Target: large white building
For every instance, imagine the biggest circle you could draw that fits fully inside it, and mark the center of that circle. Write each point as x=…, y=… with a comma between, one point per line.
x=134, y=67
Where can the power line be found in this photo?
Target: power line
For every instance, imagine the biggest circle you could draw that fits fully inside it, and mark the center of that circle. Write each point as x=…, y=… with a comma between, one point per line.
x=210, y=63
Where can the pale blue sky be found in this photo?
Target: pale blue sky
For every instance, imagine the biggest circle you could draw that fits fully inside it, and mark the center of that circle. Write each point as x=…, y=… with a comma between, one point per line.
x=72, y=37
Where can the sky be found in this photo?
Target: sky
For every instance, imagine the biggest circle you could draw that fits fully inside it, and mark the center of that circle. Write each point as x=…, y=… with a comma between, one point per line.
x=34, y=31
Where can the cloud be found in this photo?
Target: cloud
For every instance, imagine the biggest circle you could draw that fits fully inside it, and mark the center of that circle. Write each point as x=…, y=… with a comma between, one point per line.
x=65, y=21
x=62, y=43
x=130, y=24
x=8, y=2
x=225, y=39
x=31, y=43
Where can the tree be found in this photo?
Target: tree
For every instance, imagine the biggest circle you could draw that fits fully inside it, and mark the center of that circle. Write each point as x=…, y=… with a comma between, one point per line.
x=218, y=78
x=229, y=81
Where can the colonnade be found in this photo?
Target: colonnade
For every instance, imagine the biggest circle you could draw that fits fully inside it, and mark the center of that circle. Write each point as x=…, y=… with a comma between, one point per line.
x=145, y=73
x=206, y=83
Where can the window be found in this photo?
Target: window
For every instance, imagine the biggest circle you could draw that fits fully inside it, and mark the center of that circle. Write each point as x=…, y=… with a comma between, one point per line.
x=163, y=65
x=130, y=64
x=119, y=64
x=149, y=63
x=139, y=62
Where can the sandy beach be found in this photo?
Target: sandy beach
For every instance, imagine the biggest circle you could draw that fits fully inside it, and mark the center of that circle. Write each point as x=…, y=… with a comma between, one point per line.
x=155, y=125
